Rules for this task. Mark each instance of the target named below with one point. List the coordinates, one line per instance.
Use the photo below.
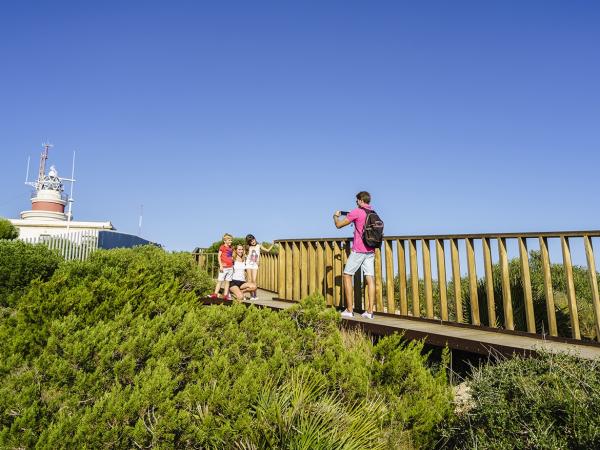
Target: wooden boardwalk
(481, 340)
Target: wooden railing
(207, 262)
(495, 291)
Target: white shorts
(358, 260)
(226, 274)
(253, 266)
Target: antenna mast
(27, 174)
(70, 214)
(44, 157)
(140, 222)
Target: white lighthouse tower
(48, 201)
(47, 216)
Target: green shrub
(145, 279)
(548, 402)
(122, 357)
(8, 230)
(20, 263)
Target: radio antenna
(140, 222)
(27, 174)
(70, 213)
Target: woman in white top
(253, 257)
(238, 285)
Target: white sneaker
(347, 313)
(367, 315)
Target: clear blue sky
(265, 117)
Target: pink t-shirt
(359, 217)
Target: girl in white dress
(238, 285)
(253, 258)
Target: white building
(47, 216)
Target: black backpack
(372, 235)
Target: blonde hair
(235, 253)
(227, 235)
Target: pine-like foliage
(20, 263)
(552, 401)
(117, 353)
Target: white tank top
(253, 254)
(239, 271)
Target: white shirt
(239, 271)
(253, 255)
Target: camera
(344, 213)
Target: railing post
(441, 266)
(296, 270)
(489, 283)
(289, 276)
(589, 253)
(402, 276)
(427, 277)
(572, 301)
(526, 279)
(303, 269)
(414, 278)
(378, 282)
(456, 279)
(337, 273)
(548, 287)
(506, 297)
(320, 267)
(282, 270)
(389, 275)
(474, 298)
(312, 267)
(329, 277)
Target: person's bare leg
(237, 292)
(248, 287)
(348, 292)
(225, 288)
(218, 287)
(371, 297)
(253, 277)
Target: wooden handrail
(407, 285)
(528, 234)
(447, 286)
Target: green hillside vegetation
(117, 352)
(552, 402)
(20, 263)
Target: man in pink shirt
(361, 255)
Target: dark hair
(364, 196)
(249, 238)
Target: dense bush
(114, 352)
(7, 229)
(20, 263)
(145, 279)
(548, 402)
